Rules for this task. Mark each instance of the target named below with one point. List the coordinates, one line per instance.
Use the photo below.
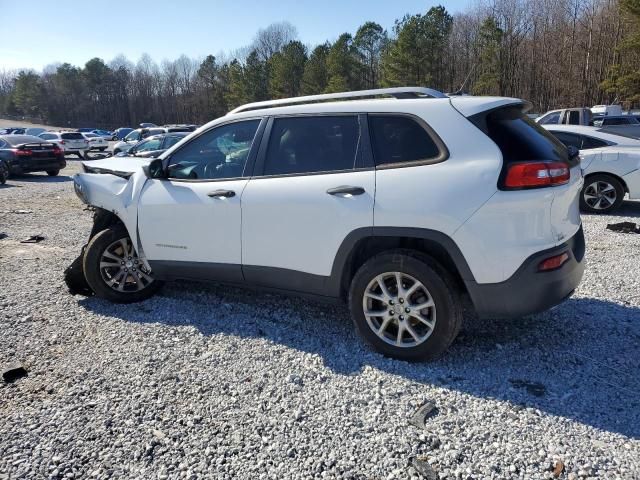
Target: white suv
(71, 142)
(398, 206)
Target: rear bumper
(529, 291)
(19, 167)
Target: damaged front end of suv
(110, 189)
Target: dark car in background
(120, 133)
(25, 153)
(152, 147)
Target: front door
(190, 222)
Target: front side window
(149, 145)
(299, 145)
(132, 137)
(171, 141)
(216, 154)
(399, 139)
(551, 118)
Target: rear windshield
(519, 138)
(72, 136)
(21, 139)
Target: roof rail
(397, 92)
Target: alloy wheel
(600, 195)
(399, 309)
(122, 270)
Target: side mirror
(155, 169)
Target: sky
(36, 33)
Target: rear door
(312, 187)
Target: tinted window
(72, 136)
(518, 137)
(569, 139)
(312, 144)
(590, 142)
(2, 143)
(574, 118)
(218, 153)
(48, 136)
(550, 118)
(398, 139)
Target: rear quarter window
(399, 139)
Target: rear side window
(518, 137)
(399, 139)
(312, 144)
(574, 118)
(590, 142)
(72, 136)
(569, 139)
(48, 136)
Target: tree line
(554, 53)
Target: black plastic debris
(3, 235)
(534, 388)
(624, 227)
(13, 372)
(423, 468)
(426, 410)
(33, 239)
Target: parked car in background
(381, 203)
(26, 153)
(134, 137)
(96, 142)
(152, 147)
(566, 116)
(106, 134)
(148, 125)
(610, 164)
(70, 142)
(615, 120)
(120, 133)
(12, 131)
(605, 110)
(34, 131)
(85, 129)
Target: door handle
(346, 190)
(221, 194)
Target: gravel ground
(211, 381)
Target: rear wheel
(404, 304)
(53, 173)
(601, 193)
(114, 271)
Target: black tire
(116, 151)
(81, 155)
(590, 188)
(102, 149)
(53, 173)
(91, 266)
(440, 286)
(4, 173)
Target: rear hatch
(74, 141)
(524, 143)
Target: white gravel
(210, 381)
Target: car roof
(595, 132)
(19, 139)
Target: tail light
(22, 153)
(523, 175)
(61, 142)
(57, 150)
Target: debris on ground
(33, 239)
(624, 227)
(3, 235)
(13, 372)
(421, 466)
(558, 468)
(21, 212)
(534, 388)
(426, 410)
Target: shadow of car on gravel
(556, 362)
(628, 208)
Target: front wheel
(53, 173)
(601, 193)
(4, 173)
(405, 305)
(114, 271)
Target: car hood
(121, 166)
